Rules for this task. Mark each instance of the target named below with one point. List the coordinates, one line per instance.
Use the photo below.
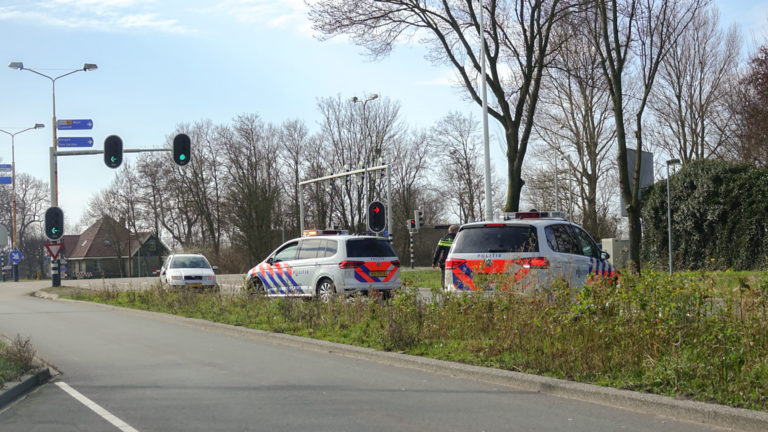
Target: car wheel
(254, 286)
(325, 289)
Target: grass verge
(16, 358)
(680, 336)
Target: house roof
(104, 239)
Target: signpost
(53, 249)
(79, 124)
(75, 141)
(15, 256)
(5, 173)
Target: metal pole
(13, 199)
(669, 213)
(389, 203)
(557, 186)
(486, 145)
(410, 234)
(669, 223)
(301, 211)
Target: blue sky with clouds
(161, 63)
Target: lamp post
(13, 190)
(365, 178)
(54, 164)
(669, 213)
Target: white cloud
(98, 15)
(284, 14)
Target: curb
(679, 409)
(26, 384)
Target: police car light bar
(534, 215)
(312, 233)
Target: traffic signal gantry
(113, 158)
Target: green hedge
(719, 217)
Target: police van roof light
(534, 215)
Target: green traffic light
(182, 156)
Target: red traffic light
(376, 217)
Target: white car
(324, 265)
(526, 251)
(188, 271)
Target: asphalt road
(136, 371)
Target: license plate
(194, 285)
(378, 273)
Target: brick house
(108, 249)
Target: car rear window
(369, 247)
(504, 238)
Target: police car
(324, 263)
(526, 251)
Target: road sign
(53, 249)
(5, 180)
(6, 167)
(74, 124)
(15, 256)
(75, 141)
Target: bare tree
(576, 124)
(517, 40)
(253, 188)
(356, 136)
(749, 102)
(635, 36)
(460, 170)
(295, 150)
(690, 103)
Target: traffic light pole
(366, 170)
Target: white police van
(525, 251)
(324, 263)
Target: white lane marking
(106, 415)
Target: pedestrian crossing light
(182, 148)
(113, 151)
(54, 223)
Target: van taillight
(537, 262)
(350, 264)
(454, 263)
(396, 263)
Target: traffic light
(377, 217)
(113, 151)
(412, 224)
(419, 216)
(182, 149)
(54, 223)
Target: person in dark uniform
(441, 251)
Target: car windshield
(369, 247)
(488, 239)
(189, 262)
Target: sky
(162, 63)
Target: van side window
(311, 248)
(287, 253)
(330, 248)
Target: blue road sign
(74, 124)
(75, 141)
(6, 167)
(5, 180)
(15, 256)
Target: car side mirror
(270, 260)
(215, 268)
(604, 255)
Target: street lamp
(13, 190)
(669, 213)
(54, 163)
